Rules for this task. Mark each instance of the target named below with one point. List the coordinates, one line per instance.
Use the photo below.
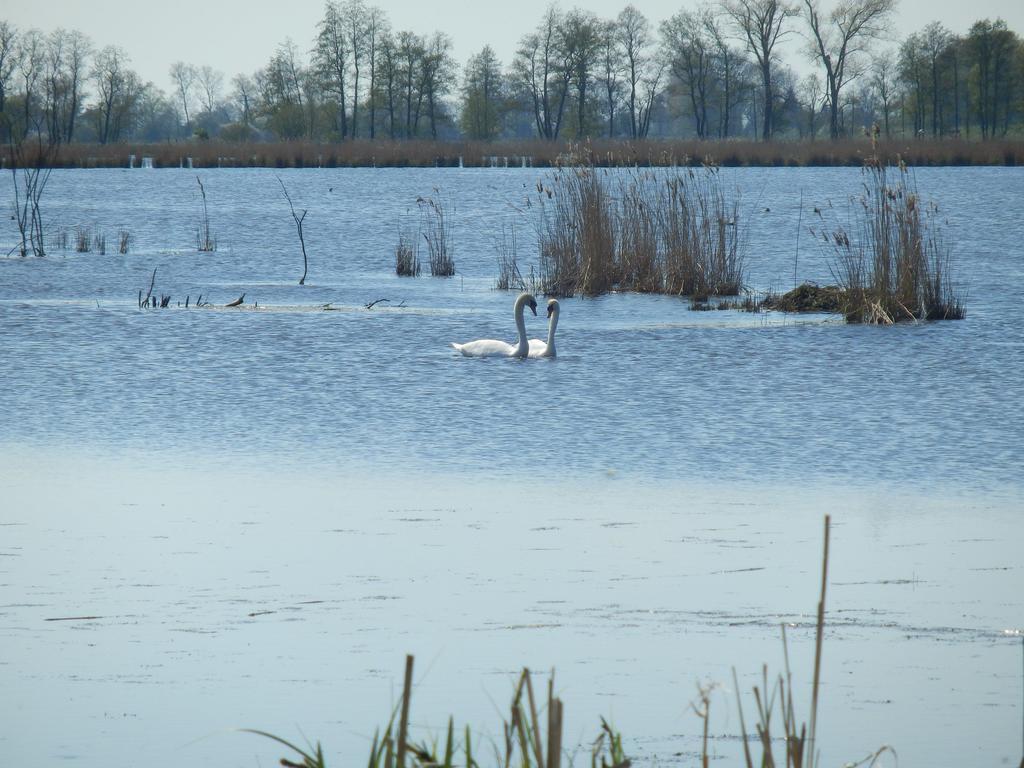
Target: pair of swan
(525, 348)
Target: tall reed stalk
(205, 240)
(800, 740)
(436, 227)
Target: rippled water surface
(215, 518)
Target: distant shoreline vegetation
(714, 73)
(363, 153)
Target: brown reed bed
(674, 232)
(534, 153)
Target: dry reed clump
(124, 241)
(59, 240)
(83, 239)
(899, 267)
(510, 278)
(436, 228)
(674, 232)
(407, 259)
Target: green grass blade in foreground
(308, 760)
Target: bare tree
(331, 57)
(77, 50)
(31, 64)
(690, 50)
(541, 68)
(912, 77)
(483, 95)
(376, 29)
(31, 162)
(610, 65)
(922, 60)
(111, 76)
(54, 81)
(8, 63)
(184, 76)
(211, 83)
(649, 91)
(124, 110)
(438, 71)
(811, 91)
(729, 65)
(883, 81)
(283, 92)
(991, 49)
(840, 39)
(581, 41)
(760, 24)
(388, 80)
(410, 51)
(356, 17)
(634, 33)
(298, 226)
(244, 93)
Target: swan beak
(533, 308)
(550, 312)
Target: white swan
(540, 348)
(495, 348)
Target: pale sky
(240, 35)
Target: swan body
(496, 348)
(540, 348)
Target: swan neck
(524, 344)
(552, 325)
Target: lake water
(265, 509)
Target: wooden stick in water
(403, 725)
(812, 745)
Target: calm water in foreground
(245, 518)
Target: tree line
(711, 71)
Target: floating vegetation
(808, 297)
